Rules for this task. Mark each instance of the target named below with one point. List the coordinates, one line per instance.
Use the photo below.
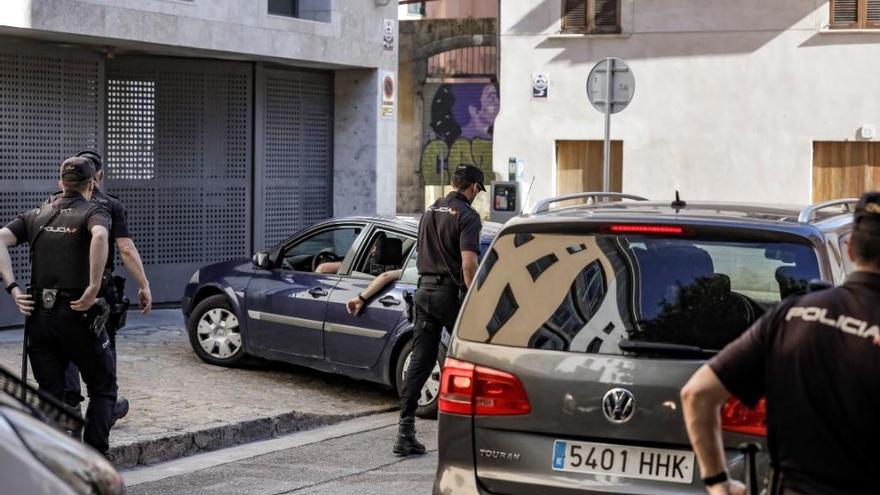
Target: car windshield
(602, 293)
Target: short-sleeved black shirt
(61, 251)
(817, 360)
(458, 228)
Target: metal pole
(606, 155)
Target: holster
(113, 290)
(98, 314)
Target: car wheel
(215, 332)
(430, 391)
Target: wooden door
(845, 169)
(579, 166)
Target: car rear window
(584, 293)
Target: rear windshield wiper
(642, 347)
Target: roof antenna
(678, 204)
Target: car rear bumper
(457, 471)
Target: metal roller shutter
(179, 156)
(49, 109)
(294, 155)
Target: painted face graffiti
(462, 118)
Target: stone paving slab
(181, 405)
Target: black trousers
(59, 336)
(436, 306)
(73, 396)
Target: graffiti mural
(459, 129)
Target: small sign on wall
(388, 96)
(388, 34)
(540, 86)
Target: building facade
(742, 101)
(226, 125)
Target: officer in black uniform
(68, 241)
(816, 359)
(112, 287)
(449, 246)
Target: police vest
(60, 240)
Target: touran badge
(618, 405)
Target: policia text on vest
(68, 240)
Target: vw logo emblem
(618, 405)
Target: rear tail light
(479, 391)
(736, 417)
(457, 387)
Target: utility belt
(437, 281)
(48, 299)
(113, 291)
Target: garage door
(178, 154)
(845, 169)
(49, 109)
(294, 173)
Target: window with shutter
(606, 16)
(872, 17)
(855, 14)
(574, 16)
(591, 16)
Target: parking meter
(507, 199)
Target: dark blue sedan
(279, 306)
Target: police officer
(448, 246)
(68, 241)
(816, 359)
(112, 288)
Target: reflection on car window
(410, 271)
(584, 293)
(576, 310)
(328, 246)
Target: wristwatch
(361, 297)
(714, 480)
(10, 287)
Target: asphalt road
(353, 457)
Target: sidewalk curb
(186, 443)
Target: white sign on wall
(540, 86)
(388, 34)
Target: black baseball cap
(96, 159)
(867, 215)
(76, 170)
(471, 174)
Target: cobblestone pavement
(172, 391)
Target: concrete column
(365, 147)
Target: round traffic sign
(622, 81)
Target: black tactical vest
(60, 239)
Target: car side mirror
(261, 260)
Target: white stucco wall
(729, 95)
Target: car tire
(430, 392)
(215, 332)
